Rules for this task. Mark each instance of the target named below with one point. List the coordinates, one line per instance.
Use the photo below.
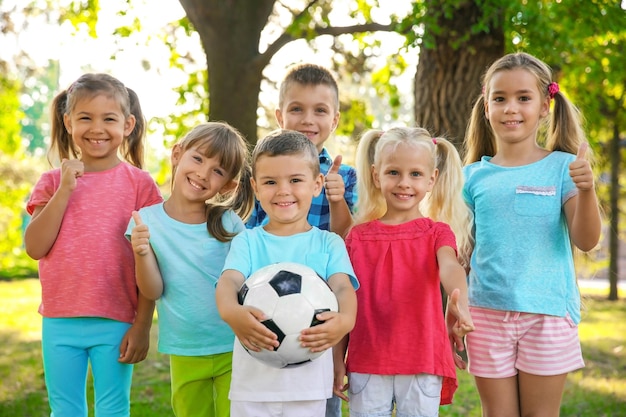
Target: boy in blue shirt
(309, 103)
(286, 177)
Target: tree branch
(263, 59)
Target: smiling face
(98, 127)
(285, 186)
(515, 106)
(197, 178)
(309, 109)
(404, 174)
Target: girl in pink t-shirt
(401, 351)
(92, 313)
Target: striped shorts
(504, 342)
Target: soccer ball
(290, 295)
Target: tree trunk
(449, 75)
(615, 157)
(233, 58)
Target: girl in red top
(399, 351)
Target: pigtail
(132, 149)
(243, 201)
(446, 203)
(61, 144)
(565, 132)
(479, 138)
(371, 203)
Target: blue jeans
(333, 406)
(69, 346)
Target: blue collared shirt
(319, 213)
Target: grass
(598, 390)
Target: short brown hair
(308, 74)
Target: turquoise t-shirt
(522, 260)
(253, 249)
(190, 261)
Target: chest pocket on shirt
(319, 262)
(536, 201)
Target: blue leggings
(69, 346)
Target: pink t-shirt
(89, 271)
(400, 327)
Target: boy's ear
(254, 188)
(279, 118)
(336, 121)
(319, 183)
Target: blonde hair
(224, 142)
(564, 129)
(444, 204)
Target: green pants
(200, 385)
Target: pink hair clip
(435, 141)
(553, 88)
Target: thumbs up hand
(580, 170)
(140, 236)
(333, 182)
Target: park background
(397, 62)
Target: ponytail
(446, 203)
(479, 138)
(61, 143)
(132, 149)
(565, 132)
(371, 203)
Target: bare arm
(43, 229)
(452, 276)
(458, 319)
(582, 211)
(136, 342)
(339, 362)
(244, 320)
(340, 216)
(147, 272)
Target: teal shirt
(522, 260)
(190, 261)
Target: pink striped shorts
(504, 342)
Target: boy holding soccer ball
(286, 178)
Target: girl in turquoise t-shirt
(531, 202)
(180, 247)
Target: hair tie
(435, 141)
(70, 89)
(553, 88)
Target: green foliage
(17, 175)
(82, 14)
(10, 114)
(354, 119)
